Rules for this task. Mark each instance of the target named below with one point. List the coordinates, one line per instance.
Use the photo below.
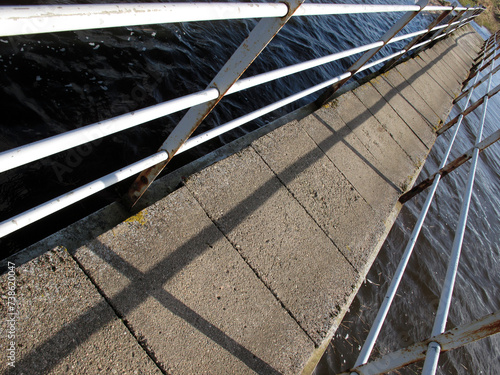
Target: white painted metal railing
(41, 19)
(435, 345)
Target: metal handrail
(25, 154)
(208, 97)
(15, 20)
(434, 345)
(434, 348)
(396, 279)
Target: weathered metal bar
(65, 200)
(432, 356)
(251, 47)
(463, 94)
(455, 338)
(476, 104)
(204, 137)
(495, 137)
(37, 150)
(396, 28)
(416, 40)
(16, 20)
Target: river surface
(51, 83)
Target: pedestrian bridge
(246, 260)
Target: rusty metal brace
(450, 167)
(246, 53)
(452, 339)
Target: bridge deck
(252, 263)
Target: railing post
(396, 28)
(246, 53)
(416, 40)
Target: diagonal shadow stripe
(341, 136)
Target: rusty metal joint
(290, 11)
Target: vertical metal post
(416, 40)
(396, 28)
(432, 357)
(246, 53)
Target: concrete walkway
(250, 266)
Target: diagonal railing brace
(246, 53)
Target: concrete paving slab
(437, 98)
(64, 326)
(443, 75)
(464, 43)
(322, 190)
(277, 238)
(448, 64)
(469, 42)
(396, 80)
(346, 151)
(393, 160)
(185, 290)
(407, 140)
(405, 110)
(446, 48)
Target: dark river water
(51, 83)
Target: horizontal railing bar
(52, 145)
(411, 35)
(380, 61)
(402, 52)
(189, 144)
(24, 20)
(199, 139)
(16, 20)
(37, 150)
(449, 340)
(421, 32)
(282, 72)
(451, 166)
(65, 200)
